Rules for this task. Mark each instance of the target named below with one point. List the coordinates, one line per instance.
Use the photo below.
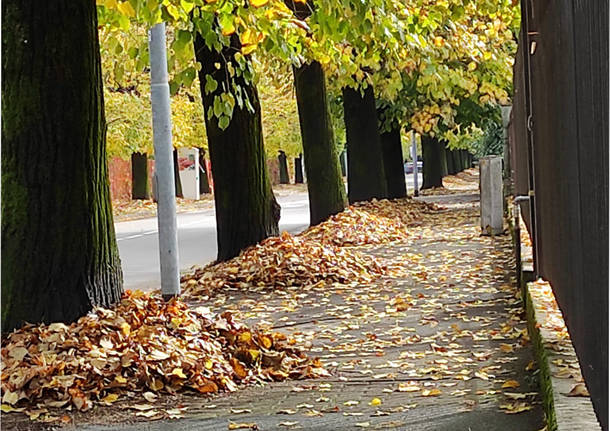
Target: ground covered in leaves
(419, 323)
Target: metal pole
(164, 169)
(414, 156)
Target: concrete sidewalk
(429, 351)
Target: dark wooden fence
(559, 150)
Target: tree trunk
(179, 193)
(343, 162)
(365, 172)
(59, 253)
(451, 168)
(392, 163)
(456, 157)
(283, 162)
(298, 170)
(139, 176)
(435, 163)
(324, 182)
(246, 209)
(204, 184)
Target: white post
(164, 169)
(414, 156)
(490, 174)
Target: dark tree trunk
(366, 175)
(392, 163)
(435, 163)
(324, 181)
(298, 170)
(246, 209)
(451, 168)
(283, 162)
(343, 162)
(204, 184)
(456, 157)
(177, 175)
(59, 253)
(139, 176)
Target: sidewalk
(444, 347)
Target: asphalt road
(139, 243)
(139, 246)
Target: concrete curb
(559, 371)
(555, 355)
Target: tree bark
(283, 162)
(324, 182)
(246, 209)
(204, 184)
(298, 170)
(343, 162)
(435, 162)
(59, 253)
(140, 188)
(365, 171)
(392, 163)
(451, 168)
(178, 183)
(456, 157)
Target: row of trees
(431, 66)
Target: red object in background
(119, 173)
(208, 171)
(185, 163)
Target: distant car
(409, 167)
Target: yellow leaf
(472, 66)
(228, 30)
(239, 426)
(125, 328)
(431, 393)
(506, 348)
(511, 384)
(258, 3)
(248, 49)
(7, 409)
(178, 372)
(375, 402)
(110, 398)
(126, 9)
(402, 387)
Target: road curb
(557, 361)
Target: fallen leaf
(511, 384)
(243, 425)
(579, 390)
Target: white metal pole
(414, 156)
(164, 169)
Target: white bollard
(490, 174)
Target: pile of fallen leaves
(142, 346)
(374, 222)
(282, 261)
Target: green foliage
(491, 141)
(426, 59)
(281, 128)
(129, 120)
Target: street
(139, 246)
